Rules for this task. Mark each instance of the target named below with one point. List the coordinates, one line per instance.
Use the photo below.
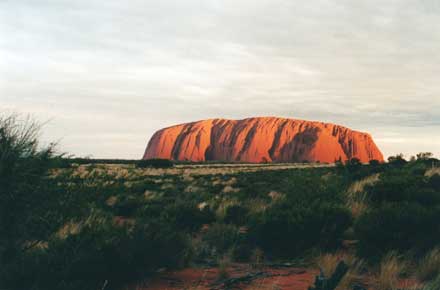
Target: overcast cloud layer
(109, 73)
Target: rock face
(267, 139)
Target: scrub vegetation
(70, 224)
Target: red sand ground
(205, 279)
(285, 278)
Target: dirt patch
(241, 276)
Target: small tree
(23, 168)
(354, 162)
(424, 155)
(397, 160)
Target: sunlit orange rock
(266, 139)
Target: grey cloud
(118, 70)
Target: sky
(105, 75)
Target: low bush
(397, 226)
(236, 214)
(400, 186)
(403, 209)
(434, 182)
(99, 253)
(242, 251)
(397, 161)
(288, 229)
(187, 216)
(222, 237)
(126, 205)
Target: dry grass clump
(202, 205)
(216, 181)
(166, 186)
(432, 171)
(112, 200)
(75, 227)
(274, 195)
(81, 172)
(122, 173)
(120, 221)
(230, 189)
(390, 270)
(358, 206)
(228, 184)
(231, 181)
(429, 267)
(151, 194)
(38, 245)
(129, 184)
(257, 258)
(192, 189)
(357, 200)
(353, 276)
(257, 205)
(220, 213)
(328, 263)
(360, 185)
(68, 229)
(223, 264)
(187, 178)
(263, 286)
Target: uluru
(262, 139)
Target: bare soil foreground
(244, 277)
(240, 276)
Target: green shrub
(99, 252)
(374, 162)
(401, 186)
(397, 161)
(236, 214)
(187, 216)
(434, 182)
(126, 205)
(242, 251)
(222, 237)
(24, 190)
(353, 163)
(288, 229)
(397, 226)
